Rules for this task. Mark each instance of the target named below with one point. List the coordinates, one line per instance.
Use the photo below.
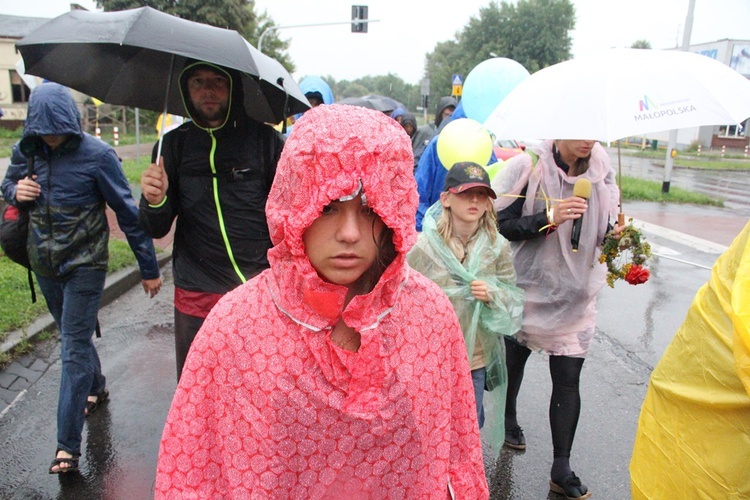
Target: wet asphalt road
(121, 439)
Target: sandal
(514, 438)
(571, 487)
(72, 464)
(91, 406)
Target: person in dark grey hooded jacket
(75, 175)
(444, 110)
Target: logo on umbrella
(659, 111)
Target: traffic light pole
(276, 28)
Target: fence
(106, 117)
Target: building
(735, 54)
(14, 89)
(14, 92)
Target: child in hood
(339, 372)
(460, 250)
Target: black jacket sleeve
(515, 227)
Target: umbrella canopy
(358, 101)
(620, 93)
(134, 57)
(383, 103)
(373, 101)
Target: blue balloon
(488, 84)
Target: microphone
(582, 189)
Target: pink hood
(314, 170)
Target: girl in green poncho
(461, 250)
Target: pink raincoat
(268, 407)
(559, 316)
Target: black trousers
(565, 403)
(185, 329)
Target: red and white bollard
(723, 150)
(98, 133)
(117, 136)
(746, 147)
(699, 149)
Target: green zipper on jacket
(222, 226)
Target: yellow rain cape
(693, 438)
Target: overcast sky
(408, 29)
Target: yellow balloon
(462, 140)
(494, 168)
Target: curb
(115, 285)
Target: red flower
(637, 275)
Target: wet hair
(386, 254)
(488, 223)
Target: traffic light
(359, 12)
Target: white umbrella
(619, 93)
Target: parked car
(507, 148)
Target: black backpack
(14, 233)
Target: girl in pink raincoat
(339, 372)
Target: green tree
(641, 44)
(273, 46)
(238, 15)
(351, 89)
(545, 37)
(442, 63)
(388, 85)
(536, 33)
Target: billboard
(740, 61)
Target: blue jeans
(478, 377)
(74, 303)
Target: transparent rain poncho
(482, 322)
(561, 286)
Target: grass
(16, 308)
(9, 137)
(133, 168)
(634, 189)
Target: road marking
(685, 239)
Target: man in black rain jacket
(214, 177)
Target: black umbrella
(134, 57)
(374, 101)
(383, 103)
(358, 101)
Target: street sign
(425, 87)
(458, 85)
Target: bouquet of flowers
(625, 256)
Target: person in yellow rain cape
(693, 438)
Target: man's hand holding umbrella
(154, 183)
